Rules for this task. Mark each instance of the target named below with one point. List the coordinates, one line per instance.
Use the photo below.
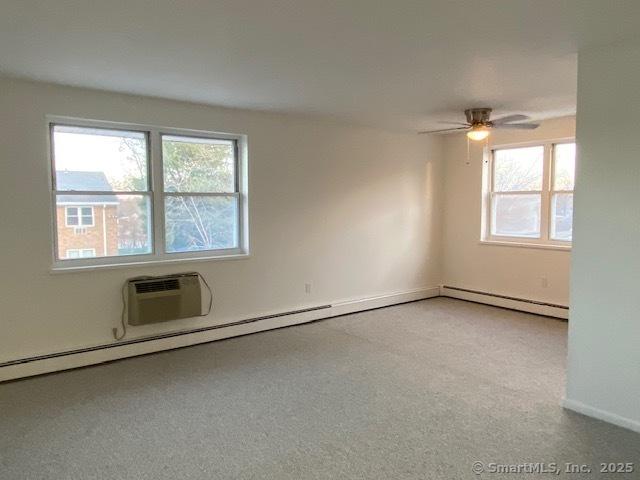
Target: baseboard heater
(158, 337)
(506, 297)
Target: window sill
(144, 263)
(539, 246)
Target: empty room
(337, 239)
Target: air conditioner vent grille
(158, 286)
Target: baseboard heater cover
(506, 297)
(158, 337)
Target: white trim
(530, 241)
(54, 364)
(73, 204)
(368, 303)
(128, 126)
(599, 414)
(520, 244)
(514, 304)
(545, 199)
(532, 143)
(136, 261)
(112, 193)
(104, 232)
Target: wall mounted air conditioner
(158, 299)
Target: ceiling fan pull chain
(468, 151)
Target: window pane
(94, 159)
(516, 215)
(562, 216)
(86, 221)
(518, 169)
(72, 216)
(564, 166)
(198, 165)
(195, 223)
(120, 225)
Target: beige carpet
(417, 391)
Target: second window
(530, 197)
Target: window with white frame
(152, 194)
(530, 194)
(200, 194)
(79, 217)
(562, 179)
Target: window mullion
(488, 230)
(545, 207)
(155, 163)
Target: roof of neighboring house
(83, 182)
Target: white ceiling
(395, 63)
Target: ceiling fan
(478, 124)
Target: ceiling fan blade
(509, 119)
(446, 130)
(518, 126)
(455, 123)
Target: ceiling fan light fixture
(478, 125)
(478, 133)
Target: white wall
(504, 270)
(604, 325)
(353, 210)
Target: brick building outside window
(87, 225)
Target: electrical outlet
(307, 288)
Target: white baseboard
(599, 414)
(499, 301)
(115, 352)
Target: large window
(530, 194)
(127, 194)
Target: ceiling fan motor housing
(478, 116)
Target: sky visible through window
(100, 150)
